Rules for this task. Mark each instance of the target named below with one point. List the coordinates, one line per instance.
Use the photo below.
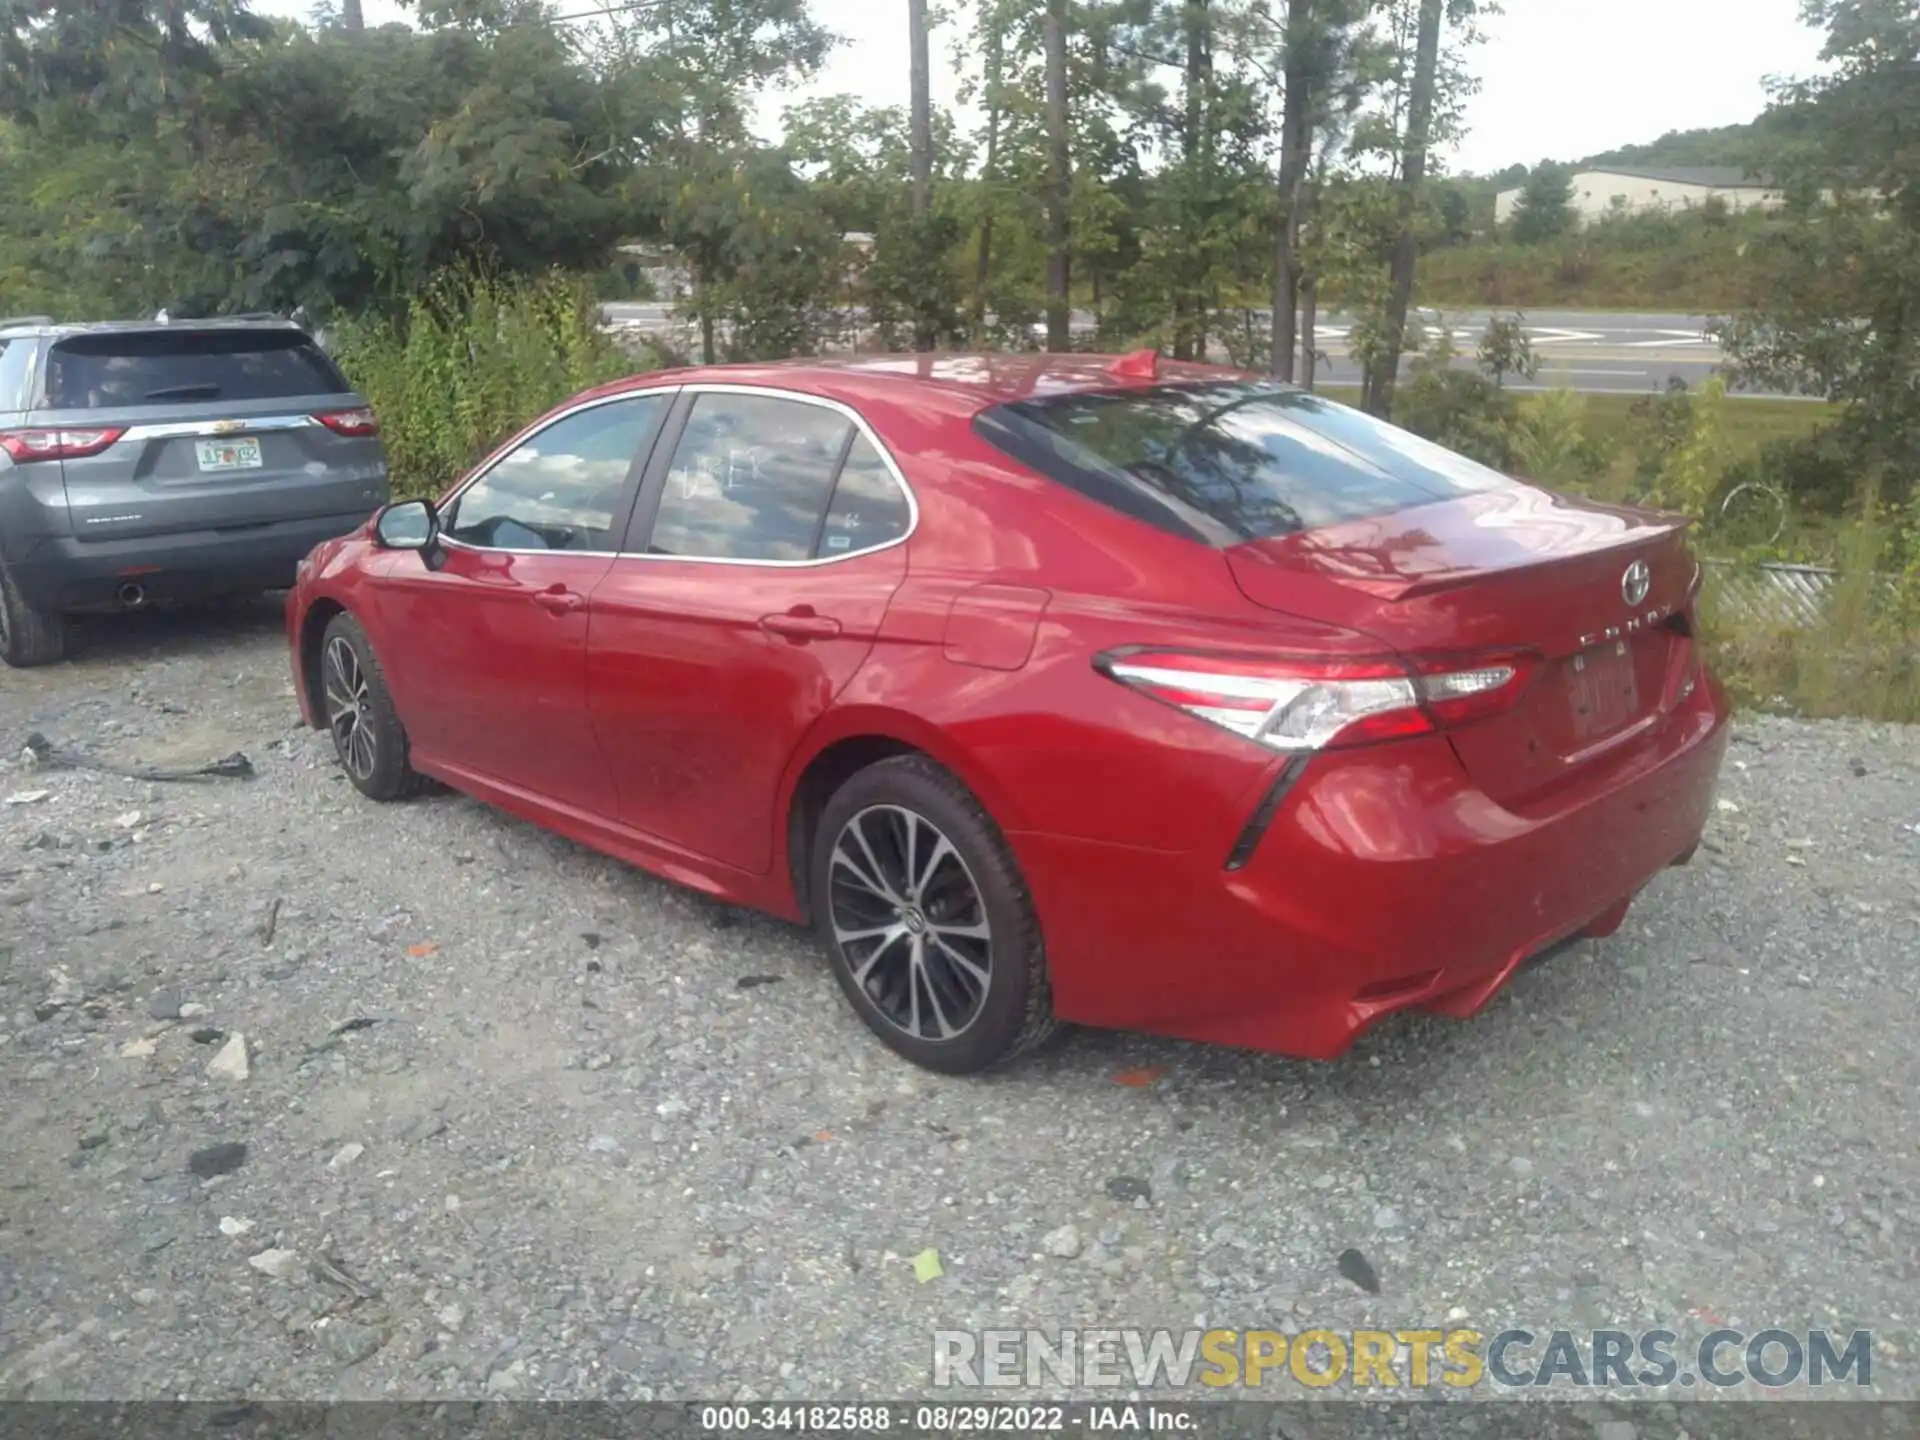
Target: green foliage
(1685, 261)
(1544, 210)
(1555, 445)
(1689, 472)
(1505, 350)
(1840, 280)
(470, 360)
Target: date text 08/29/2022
(945, 1419)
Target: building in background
(1631, 190)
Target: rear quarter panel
(1049, 744)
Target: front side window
(757, 477)
(559, 489)
(1231, 461)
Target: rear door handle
(796, 626)
(560, 601)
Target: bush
(471, 360)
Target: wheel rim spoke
(347, 696)
(895, 877)
(866, 966)
(871, 884)
(977, 973)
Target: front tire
(927, 919)
(368, 737)
(28, 635)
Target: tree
(922, 106)
(1840, 281)
(1544, 210)
(1059, 182)
(1378, 391)
(124, 60)
(1323, 43)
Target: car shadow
(133, 637)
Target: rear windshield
(100, 372)
(1225, 462)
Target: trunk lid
(1510, 569)
(219, 431)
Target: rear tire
(368, 738)
(927, 918)
(28, 636)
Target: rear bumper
(1386, 881)
(73, 575)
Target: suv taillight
(1300, 704)
(350, 422)
(26, 446)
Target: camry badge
(1635, 584)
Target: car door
(489, 633)
(772, 527)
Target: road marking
(1622, 374)
(1563, 337)
(1670, 337)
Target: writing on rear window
(147, 368)
(1230, 461)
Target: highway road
(1586, 351)
(1597, 353)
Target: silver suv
(154, 461)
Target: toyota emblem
(1635, 584)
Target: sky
(1560, 79)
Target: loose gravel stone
(662, 1207)
(1062, 1244)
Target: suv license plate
(228, 454)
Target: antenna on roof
(1140, 365)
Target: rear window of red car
(1226, 462)
(186, 367)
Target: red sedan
(1136, 695)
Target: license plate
(228, 454)
(1604, 689)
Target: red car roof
(963, 385)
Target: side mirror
(407, 525)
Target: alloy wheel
(910, 922)
(349, 709)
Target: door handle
(560, 601)
(801, 625)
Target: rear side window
(15, 356)
(761, 478)
(1232, 461)
(185, 367)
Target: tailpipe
(133, 596)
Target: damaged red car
(1045, 688)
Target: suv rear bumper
(65, 574)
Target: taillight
(1305, 703)
(351, 422)
(26, 446)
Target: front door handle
(801, 624)
(558, 600)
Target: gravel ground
(520, 1122)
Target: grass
(1864, 658)
(1656, 263)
